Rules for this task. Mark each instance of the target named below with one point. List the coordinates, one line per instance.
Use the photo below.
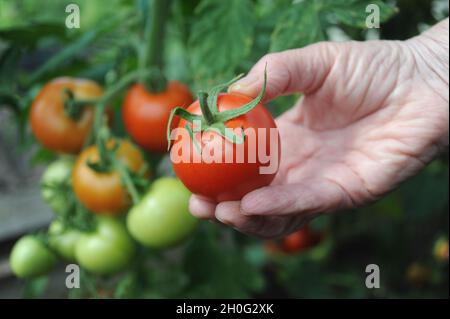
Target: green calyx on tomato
(106, 250)
(30, 257)
(73, 107)
(63, 240)
(162, 219)
(55, 183)
(211, 118)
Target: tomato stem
(105, 155)
(212, 118)
(73, 107)
(152, 55)
(107, 96)
(123, 83)
(205, 107)
(127, 181)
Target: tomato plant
(220, 115)
(162, 218)
(55, 182)
(31, 258)
(63, 240)
(146, 114)
(143, 73)
(107, 249)
(103, 191)
(57, 121)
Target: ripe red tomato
(52, 127)
(146, 114)
(300, 240)
(224, 181)
(104, 192)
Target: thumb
(298, 70)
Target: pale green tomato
(53, 182)
(106, 250)
(162, 219)
(31, 258)
(63, 240)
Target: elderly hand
(372, 114)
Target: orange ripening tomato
(52, 127)
(103, 193)
(146, 114)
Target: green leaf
(353, 13)
(221, 37)
(390, 206)
(297, 27)
(431, 184)
(30, 34)
(227, 274)
(9, 59)
(35, 288)
(127, 287)
(65, 55)
(42, 156)
(79, 45)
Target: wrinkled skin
(373, 114)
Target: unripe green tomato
(31, 258)
(54, 179)
(63, 240)
(106, 250)
(162, 219)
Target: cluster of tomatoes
(158, 220)
(102, 174)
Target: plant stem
(127, 181)
(122, 84)
(109, 94)
(152, 57)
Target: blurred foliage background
(406, 233)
